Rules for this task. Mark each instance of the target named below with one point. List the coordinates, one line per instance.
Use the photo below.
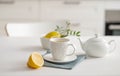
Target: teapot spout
(81, 43)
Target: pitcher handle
(114, 45)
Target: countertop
(14, 53)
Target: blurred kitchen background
(88, 16)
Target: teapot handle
(112, 42)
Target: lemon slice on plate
(53, 34)
(35, 60)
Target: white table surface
(14, 53)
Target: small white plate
(48, 57)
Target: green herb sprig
(66, 31)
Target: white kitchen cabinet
(88, 15)
(19, 10)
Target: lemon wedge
(53, 34)
(35, 60)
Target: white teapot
(97, 47)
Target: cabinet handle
(72, 2)
(6, 1)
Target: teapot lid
(96, 39)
